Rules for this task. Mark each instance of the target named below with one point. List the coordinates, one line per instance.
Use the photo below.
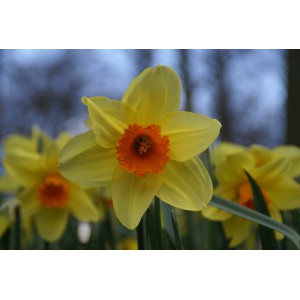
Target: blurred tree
(1, 94)
(293, 98)
(143, 59)
(188, 86)
(44, 93)
(219, 61)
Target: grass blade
(150, 230)
(141, 235)
(256, 217)
(158, 223)
(267, 235)
(178, 243)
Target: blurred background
(253, 93)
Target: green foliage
(256, 217)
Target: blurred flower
(271, 173)
(8, 203)
(127, 244)
(293, 153)
(145, 147)
(45, 195)
(7, 210)
(7, 185)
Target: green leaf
(16, 234)
(256, 217)
(150, 230)
(141, 235)
(267, 236)
(40, 145)
(212, 235)
(206, 160)
(178, 243)
(295, 214)
(168, 242)
(158, 223)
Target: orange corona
(245, 196)
(143, 150)
(54, 191)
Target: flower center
(246, 197)
(142, 144)
(143, 150)
(54, 191)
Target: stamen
(142, 144)
(54, 191)
(143, 150)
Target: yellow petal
(186, 185)
(62, 139)
(262, 155)
(7, 185)
(24, 168)
(18, 143)
(39, 136)
(30, 204)
(132, 195)
(51, 223)
(232, 170)
(82, 207)
(293, 153)
(189, 134)
(153, 94)
(285, 193)
(271, 172)
(215, 214)
(222, 150)
(109, 119)
(226, 191)
(237, 230)
(83, 161)
(276, 215)
(50, 157)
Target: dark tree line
(47, 90)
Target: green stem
(110, 232)
(158, 223)
(256, 217)
(141, 235)
(18, 243)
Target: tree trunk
(293, 98)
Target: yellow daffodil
(293, 153)
(271, 173)
(45, 194)
(145, 147)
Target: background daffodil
(272, 173)
(293, 153)
(145, 147)
(44, 194)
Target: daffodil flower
(145, 147)
(272, 174)
(293, 153)
(45, 195)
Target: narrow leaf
(150, 230)
(267, 236)
(141, 235)
(167, 241)
(178, 243)
(158, 223)
(256, 217)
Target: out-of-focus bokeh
(246, 90)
